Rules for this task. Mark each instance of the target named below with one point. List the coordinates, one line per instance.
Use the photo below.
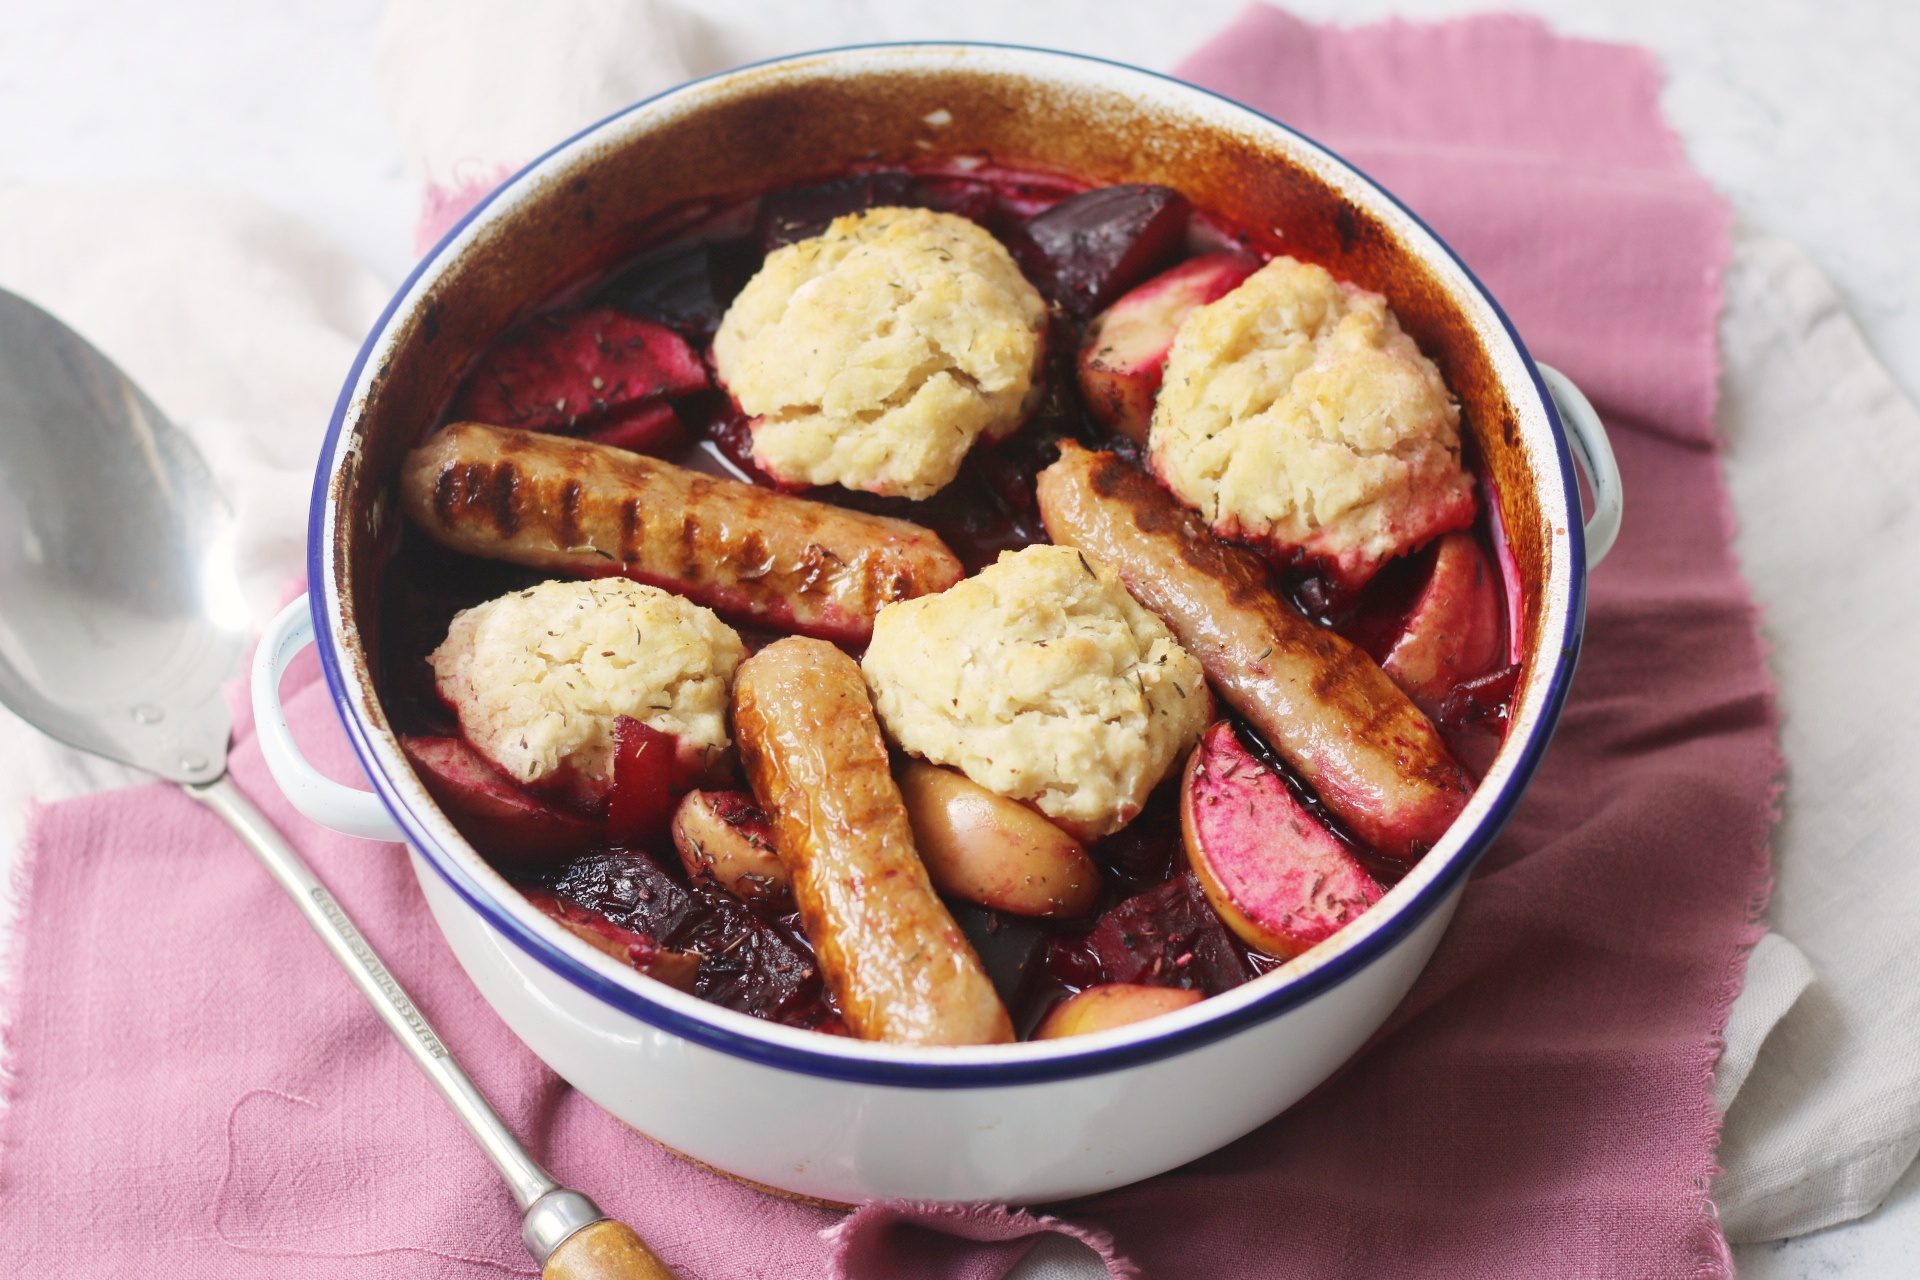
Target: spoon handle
(563, 1229)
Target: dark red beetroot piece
(1145, 852)
(675, 968)
(573, 370)
(687, 287)
(1089, 249)
(1275, 875)
(501, 819)
(757, 966)
(798, 213)
(1166, 937)
(640, 801)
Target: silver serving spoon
(119, 622)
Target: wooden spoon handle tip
(604, 1250)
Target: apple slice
(650, 427)
(1274, 874)
(1126, 346)
(568, 371)
(1454, 631)
(985, 848)
(723, 837)
(1116, 1004)
(678, 969)
(497, 816)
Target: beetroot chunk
(748, 963)
(498, 817)
(799, 213)
(1168, 937)
(1089, 249)
(640, 802)
(569, 371)
(688, 286)
(675, 968)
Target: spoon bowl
(120, 616)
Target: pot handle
(1591, 450)
(331, 804)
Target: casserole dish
(842, 1120)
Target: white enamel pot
(828, 1117)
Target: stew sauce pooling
(623, 361)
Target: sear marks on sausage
(588, 510)
(890, 950)
(1322, 702)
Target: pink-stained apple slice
(651, 427)
(987, 849)
(1116, 1004)
(1454, 631)
(1272, 872)
(496, 815)
(1125, 348)
(570, 371)
(723, 837)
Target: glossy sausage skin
(1323, 704)
(888, 947)
(591, 511)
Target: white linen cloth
(1823, 462)
(241, 323)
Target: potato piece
(723, 837)
(988, 849)
(1115, 1004)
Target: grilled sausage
(590, 511)
(889, 949)
(1323, 704)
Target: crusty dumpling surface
(1041, 679)
(538, 676)
(1295, 412)
(874, 354)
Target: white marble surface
(1807, 115)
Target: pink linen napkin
(196, 1090)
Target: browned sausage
(590, 511)
(889, 949)
(1323, 704)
